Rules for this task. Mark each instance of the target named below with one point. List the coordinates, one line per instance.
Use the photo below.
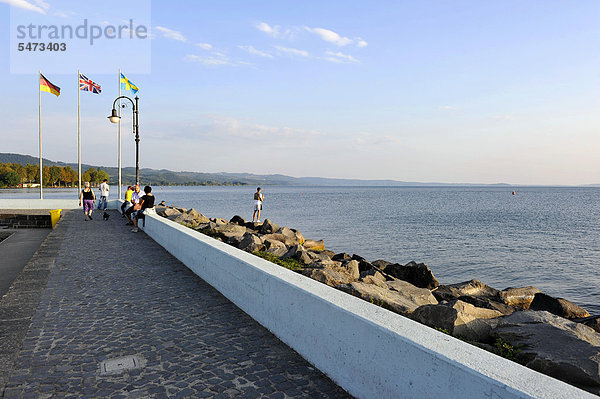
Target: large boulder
(396, 301)
(518, 297)
(299, 253)
(487, 303)
(162, 210)
(467, 288)
(251, 243)
(458, 318)
(352, 269)
(237, 219)
(363, 264)
(558, 306)
(373, 277)
(197, 216)
(275, 247)
(554, 346)
(328, 276)
(218, 221)
(417, 274)
(292, 236)
(268, 227)
(184, 219)
(227, 231)
(380, 263)
(420, 296)
(314, 245)
(287, 240)
(341, 257)
(592, 322)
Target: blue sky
(430, 91)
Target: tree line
(15, 175)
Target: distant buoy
(514, 192)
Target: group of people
(133, 208)
(135, 203)
(87, 198)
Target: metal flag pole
(40, 128)
(79, 130)
(120, 184)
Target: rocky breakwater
(550, 335)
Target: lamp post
(115, 118)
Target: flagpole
(78, 130)
(120, 135)
(40, 128)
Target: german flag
(45, 85)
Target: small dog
(105, 216)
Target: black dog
(105, 216)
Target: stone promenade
(107, 294)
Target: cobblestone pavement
(113, 293)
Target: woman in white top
(258, 200)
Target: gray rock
(558, 306)
(287, 240)
(352, 269)
(488, 303)
(251, 243)
(592, 322)
(467, 288)
(417, 274)
(238, 220)
(380, 263)
(218, 221)
(420, 296)
(373, 277)
(180, 210)
(518, 297)
(554, 346)
(268, 227)
(275, 247)
(299, 253)
(184, 219)
(363, 264)
(341, 257)
(396, 301)
(332, 278)
(161, 210)
(459, 318)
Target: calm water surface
(547, 237)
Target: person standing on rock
(258, 200)
(104, 189)
(87, 197)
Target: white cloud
(448, 107)
(292, 51)
(269, 30)
(204, 46)
(366, 139)
(252, 50)
(330, 36)
(340, 57)
(210, 60)
(27, 5)
(361, 43)
(171, 34)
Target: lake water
(548, 237)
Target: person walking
(104, 189)
(87, 197)
(258, 200)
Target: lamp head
(114, 117)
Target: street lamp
(114, 118)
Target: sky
(421, 91)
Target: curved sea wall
(366, 348)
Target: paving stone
(111, 293)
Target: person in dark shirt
(147, 202)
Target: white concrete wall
(367, 350)
(47, 204)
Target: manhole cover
(121, 364)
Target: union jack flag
(86, 84)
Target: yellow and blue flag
(127, 84)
